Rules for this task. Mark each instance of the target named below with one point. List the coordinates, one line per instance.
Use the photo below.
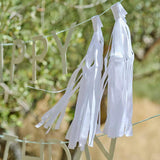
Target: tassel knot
(97, 24)
(118, 11)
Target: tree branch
(151, 48)
(148, 50)
(147, 74)
(90, 5)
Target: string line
(83, 22)
(146, 119)
(65, 142)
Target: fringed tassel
(58, 110)
(87, 115)
(86, 119)
(120, 75)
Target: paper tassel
(85, 122)
(87, 118)
(120, 75)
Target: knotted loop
(118, 11)
(96, 21)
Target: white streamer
(86, 120)
(120, 75)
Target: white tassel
(86, 121)
(120, 75)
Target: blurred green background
(25, 19)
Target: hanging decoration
(120, 75)
(87, 118)
(86, 122)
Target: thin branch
(152, 47)
(147, 74)
(89, 5)
(148, 50)
(137, 57)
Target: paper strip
(63, 48)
